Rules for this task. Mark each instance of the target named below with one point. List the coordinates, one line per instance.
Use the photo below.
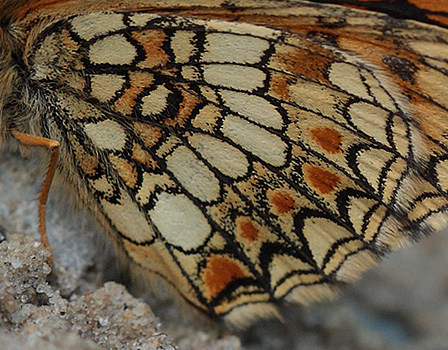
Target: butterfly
(243, 152)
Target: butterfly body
(244, 153)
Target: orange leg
(53, 146)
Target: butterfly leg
(53, 146)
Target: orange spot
(87, 162)
(127, 171)
(139, 81)
(187, 106)
(328, 139)
(320, 179)
(220, 271)
(70, 44)
(143, 157)
(152, 41)
(279, 86)
(248, 229)
(302, 62)
(149, 134)
(283, 202)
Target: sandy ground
(402, 304)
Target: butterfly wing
(244, 163)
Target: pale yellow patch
(220, 47)
(234, 76)
(207, 118)
(285, 285)
(102, 185)
(437, 64)
(436, 221)
(364, 22)
(244, 28)
(155, 102)
(182, 45)
(106, 134)
(370, 119)
(263, 144)
(357, 209)
(381, 96)
(180, 221)
(442, 174)
(193, 174)
(321, 234)
(282, 265)
(355, 265)
(94, 24)
(167, 146)
(246, 314)
(399, 135)
(435, 85)
(425, 206)
(150, 183)
(438, 50)
(395, 171)
(251, 304)
(370, 162)
(348, 78)
(375, 223)
(253, 107)
(227, 159)
(391, 234)
(191, 73)
(105, 86)
(128, 219)
(114, 49)
(140, 19)
(209, 94)
(339, 255)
